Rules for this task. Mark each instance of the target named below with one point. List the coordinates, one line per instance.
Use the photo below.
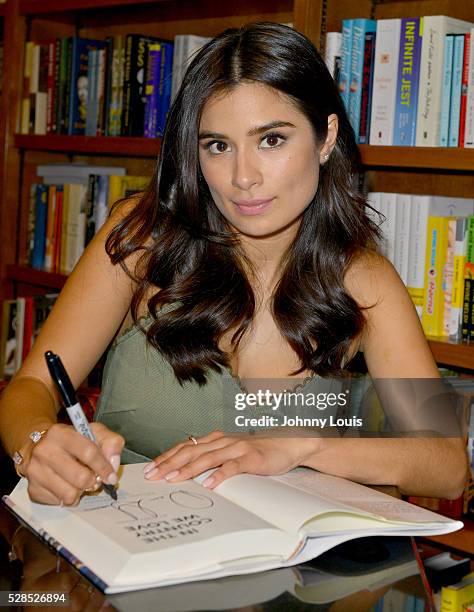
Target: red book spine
(464, 84)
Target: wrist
(310, 447)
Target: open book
(158, 533)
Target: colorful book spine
(446, 94)
(367, 83)
(448, 272)
(346, 55)
(166, 67)
(387, 47)
(332, 50)
(469, 129)
(41, 213)
(435, 259)
(464, 88)
(455, 326)
(359, 29)
(455, 108)
(406, 99)
(152, 91)
(402, 234)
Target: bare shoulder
(393, 341)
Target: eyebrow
(253, 132)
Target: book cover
(446, 93)
(387, 46)
(41, 213)
(360, 27)
(367, 84)
(406, 98)
(456, 82)
(116, 87)
(469, 129)
(159, 533)
(166, 66)
(428, 115)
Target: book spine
(455, 326)
(455, 108)
(102, 128)
(359, 29)
(56, 103)
(469, 130)
(91, 86)
(101, 94)
(464, 86)
(126, 109)
(27, 328)
(346, 55)
(51, 220)
(387, 45)
(332, 50)
(367, 80)
(152, 90)
(164, 87)
(419, 213)
(446, 94)
(436, 249)
(50, 87)
(58, 228)
(467, 304)
(27, 72)
(407, 83)
(31, 224)
(41, 209)
(389, 209)
(64, 92)
(448, 272)
(19, 331)
(402, 233)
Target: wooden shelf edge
(32, 7)
(430, 158)
(462, 540)
(108, 145)
(32, 276)
(456, 354)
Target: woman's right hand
(63, 464)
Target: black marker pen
(68, 395)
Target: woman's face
(260, 159)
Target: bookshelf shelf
(433, 158)
(106, 145)
(34, 7)
(462, 540)
(32, 276)
(460, 355)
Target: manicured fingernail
(208, 481)
(148, 467)
(151, 473)
(115, 462)
(112, 479)
(172, 474)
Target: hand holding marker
(68, 395)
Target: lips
(253, 207)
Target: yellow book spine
(124, 186)
(435, 260)
(458, 597)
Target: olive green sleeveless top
(142, 400)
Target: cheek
(299, 175)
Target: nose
(246, 170)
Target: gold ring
(193, 440)
(96, 486)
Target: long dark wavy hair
(190, 252)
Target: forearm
(26, 405)
(434, 467)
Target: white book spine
(420, 207)
(402, 234)
(387, 44)
(469, 129)
(332, 50)
(428, 119)
(389, 208)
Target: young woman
(250, 256)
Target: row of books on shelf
(406, 81)
(430, 241)
(120, 86)
(69, 207)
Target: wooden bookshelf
(103, 145)
(39, 7)
(2, 10)
(33, 276)
(430, 158)
(462, 540)
(455, 354)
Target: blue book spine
(346, 54)
(165, 86)
(91, 91)
(41, 212)
(79, 83)
(152, 91)
(446, 93)
(456, 82)
(406, 100)
(360, 28)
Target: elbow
(456, 471)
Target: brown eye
(271, 141)
(216, 147)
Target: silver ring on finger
(193, 440)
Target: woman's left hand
(232, 454)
